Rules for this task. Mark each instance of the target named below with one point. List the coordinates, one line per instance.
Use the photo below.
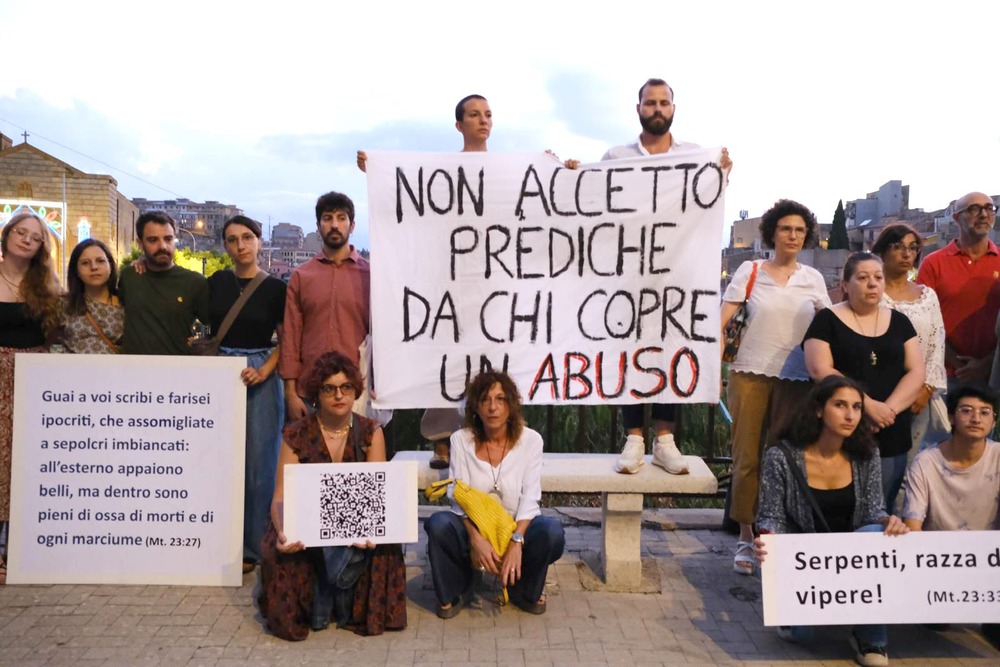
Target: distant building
(75, 205)
(200, 219)
(287, 235)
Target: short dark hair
(781, 209)
(806, 426)
(76, 302)
(476, 391)
(855, 258)
(249, 223)
(334, 201)
(158, 217)
(655, 82)
(326, 365)
(979, 390)
(460, 107)
(894, 233)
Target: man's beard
(157, 258)
(657, 124)
(335, 242)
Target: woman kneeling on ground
(496, 454)
(362, 587)
(831, 443)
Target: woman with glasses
(29, 316)
(258, 323)
(93, 319)
(768, 376)
(361, 587)
(899, 248)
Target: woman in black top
(29, 313)
(251, 336)
(878, 348)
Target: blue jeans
(265, 418)
(448, 551)
(337, 572)
(893, 470)
(876, 635)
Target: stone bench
(621, 499)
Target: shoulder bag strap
(100, 332)
(803, 485)
(227, 322)
(753, 279)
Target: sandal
(451, 611)
(3, 572)
(524, 604)
(744, 561)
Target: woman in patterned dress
(362, 587)
(29, 314)
(93, 319)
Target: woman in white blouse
(768, 378)
(497, 454)
(899, 246)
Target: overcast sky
(263, 105)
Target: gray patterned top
(79, 335)
(784, 509)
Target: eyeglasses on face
(899, 246)
(967, 411)
(346, 389)
(792, 231)
(975, 209)
(25, 234)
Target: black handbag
(732, 335)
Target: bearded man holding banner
(656, 114)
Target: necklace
(14, 287)
(496, 478)
(336, 433)
(872, 357)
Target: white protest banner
(861, 578)
(335, 504)
(127, 470)
(594, 285)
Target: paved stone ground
(705, 615)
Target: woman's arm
(912, 382)
(285, 457)
(376, 450)
(772, 516)
(529, 502)
(252, 376)
(819, 359)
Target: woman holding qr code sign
(496, 454)
(362, 587)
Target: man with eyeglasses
(954, 485)
(965, 274)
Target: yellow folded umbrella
(492, 520)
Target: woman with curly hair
(830, 455)
(361, 587)
(768, 377)
(29, 314)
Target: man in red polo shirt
(966, 276)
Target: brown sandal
(441, 453)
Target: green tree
(209, 260)
(838, 233)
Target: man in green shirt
(163, 302)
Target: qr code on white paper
(352, 504)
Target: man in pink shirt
(328, 306)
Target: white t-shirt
(779, 317)
(946, 498)
(519, 475)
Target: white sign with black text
(127, 470)
(863, 578)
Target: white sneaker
(631, 458)
(667, 456)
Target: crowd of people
(846, 394)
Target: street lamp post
(194, 240)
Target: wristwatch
(518, 538)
